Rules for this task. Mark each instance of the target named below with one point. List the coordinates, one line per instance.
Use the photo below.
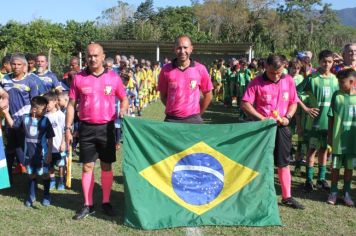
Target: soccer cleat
(323, 185)
(291, 202)
(84, 212)
(23, 169)
(348, 201)
(29, 202)
(332, 198)
(17, 169)
(46, 201)
(107, 208)
(308, 186)
(61, 187)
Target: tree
(116, 15)
(144, 11)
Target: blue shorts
(58, 159)
(37, 169)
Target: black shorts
(283, 145)
(193, 119)
(15, 138)
(97, 141)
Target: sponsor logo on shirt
(46, 79)
(33, 130)
(326, 92)
(86, 90)
(267, 97)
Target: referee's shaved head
(95, 45)
(180, 37)
(95, 57)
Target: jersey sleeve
(250, 93)
(162, 82)
(18, 122)
(206, 84)
(73, 91)
(293, 95)
(55, 81)
(120, 89)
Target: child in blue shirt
(38, 146)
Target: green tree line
(271, 26)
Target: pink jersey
(96, 96)
(267, 96)
(183, 87)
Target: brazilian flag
(191, 175)
(4, 175)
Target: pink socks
(106, 184)
(88, 187)
(286, 181)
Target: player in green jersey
(320, 86)
(342, 134)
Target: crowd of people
(45, 116)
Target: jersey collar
(174, 64)
(265, 77)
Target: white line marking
(200, 168)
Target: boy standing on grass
(342, 134)
(38, 146)
(320, 87)
(57, 119)
(269, 93)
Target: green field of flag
(193, 175)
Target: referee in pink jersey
(275, 92)
(95, 89)
(181, 84)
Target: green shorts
(344, 160)
(318, 139)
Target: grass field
(15, 219)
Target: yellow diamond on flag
(198, 178)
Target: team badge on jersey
(285, 96)
(108, 90)
(193, 84)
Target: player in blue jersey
(38, 143)
(21, 88)
(48, 78)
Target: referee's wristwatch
(289, 117)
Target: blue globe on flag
(198, 178)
